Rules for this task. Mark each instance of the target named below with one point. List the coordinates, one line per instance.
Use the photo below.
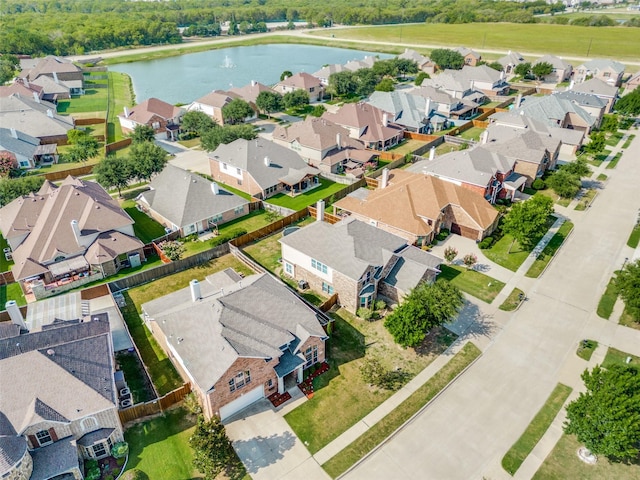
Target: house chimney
(432, 153)
(14, 134)
(126, 112)
(49, 113)
(572, 84)
(320, 210)
(518, 100)
(15, 314)
(385, 178)
(385, 119)
(76, 230)
(215, 188)
(427, 108)
(501, 75)
(55, 78)
(253, 83)
(484, 138)
(339, 141)
(267, 161)
(36, 98)
(196, 295)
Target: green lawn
(93, 100)
(628, 142)
(563, 202)
(586, 349)
(160, 447)
(298, 202)
(12, 292)
(145, 227)
(601, 177)
(120, 96)
(628, 320)
(194, 142)
(550, 250)
(512, 301)
(607, 301)
(472, 134)
(586, 199)
(5, 265)
(499, 253)
(403, 412)
(474, 283)
(406, 146)
(614, 161)
(618, 357)
(634, 238)
(614, 138)
(535, 430)
(134, 373)
(563, 463)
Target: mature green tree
(527, 221)
(384, 68)
(542, 69)
(244, 27)
(564, 183)
(523, 69)
(142, 133)
(606, 418)
(596, 143)
(236, 111)
(610, 123)
(420, 78)
(445, 58)
(113, 172)
(269, 102)
(578, 167)
(196, 122)
(425, 307)
(226, 134)
(342, 83)
(385, 85)
(318, 110)
(83, 148)
(297, 98)
(495, 65)
(10, 189)
(285, 74)
(9, 67)
(212, 450)
(366, 81)
(405, 66)
(629, 104)
(627, 283)
(146, 159)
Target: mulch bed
(307, 386)
(277, 399)
(108, 466)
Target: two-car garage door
(243, 402)
(466, 232)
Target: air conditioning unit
(126, 403)
(124, 392)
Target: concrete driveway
(192, 160)
(268, 448)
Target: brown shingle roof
(217, 98)
(250, 92)
(367, 117)
(301, 80)
(144, 111)
(316, 133)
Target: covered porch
(300, 181)
(514, 183)
(290, 371)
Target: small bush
(485, 243)
(93, 473)
(120, 449)
(380, 305)
(120, 461)
(89, 464)
(442, 235)
(538, 184)
(108, 477)
(191, 403)
(116, 472)
(364, 313)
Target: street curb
(554, 255)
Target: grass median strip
(522, 448)
(608, 300)
(513, 300)
(403, 412)
(550, 250)
(634, 238)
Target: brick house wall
(454, 214)
(247, 184)
(347, 290)
(395, 294)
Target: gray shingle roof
(184, 198)
(22, 145)
(604, 63)
(408, 110)
(90, 438)
(582, 99)
(37, 119)
(596, 87)
(249, 155)
(55, 459)
(553, 110)
(12, 449)
(411, 268)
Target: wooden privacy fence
(76, 172)
(6, 278)
(420, 136)
(156, 406)
(89, 121)
(328, 305)
(94, 292)
(269, 229)
(328, 217)
(119, 145)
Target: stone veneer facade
(22, 469)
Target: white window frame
(42, 435)
(288, 268)
(240, 380)
(321, 267)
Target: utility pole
(589, 49)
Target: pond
(184, 78)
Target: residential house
(555, 111)
(424, 63)
(301, 81)
(59, 399)
(65, 236)
(366, 62)
(26, 151)
(631, 84)
(249, 93)
(23, 88)
(60, 70)
(52, 91)
(510, 61)
(607, 70)
(155, 113)
(35, 118)
(187, 202)
(237, 340)
(484, 171)
(561, 72)
(484, 78)
(356, 260)
(471, 57)
(262, 168)
(368, 124)
(601, 89)
(416, 207)
(326, 146)
(449, 106)
(458, 85)
(213, 103)
(414, 113)
(325, 72)
(592, 104)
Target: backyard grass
(472, 134)
(403, 412)
(563, 463)
(120, 96)
(93, 100)
(135, 376)
(550, 250)
(445, 147)
(343, 384)
(628, 320)
(618, 357)
(194, 142)
(160, 447)
(145, 227)
(607, 301)
(12, 292)
(535, 430)
(407, 146)
(614, 161)
(586, 349)
(326, 189)
(5, 265)
(472, 282)
(634, 238)
(586, 199)
(513, 300)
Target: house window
(288, 268)
(216, 218)
(99, 450)
(321, 267)
(327, 288)
(224, 166)
(156, 125)
(238, 171)
(240, 380)
(311, 89)
(239, 182)
(239, 209)
(190, 228)
(44, 438)
(365, 302)
(311, 356)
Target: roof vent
(267, 161)
(51, 352)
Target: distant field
(567, 40)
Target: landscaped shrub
(485, 243)
(120, 461)
(220, 239)
(364, 313)
(442, 235)
(380, 305)
(375, 374)
(93, 473)
(191, 403)
(108, 477)
(120, 449)
(116, 472)
(172, 249)
(538, 184)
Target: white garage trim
(243, 402)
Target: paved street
(467, 430)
